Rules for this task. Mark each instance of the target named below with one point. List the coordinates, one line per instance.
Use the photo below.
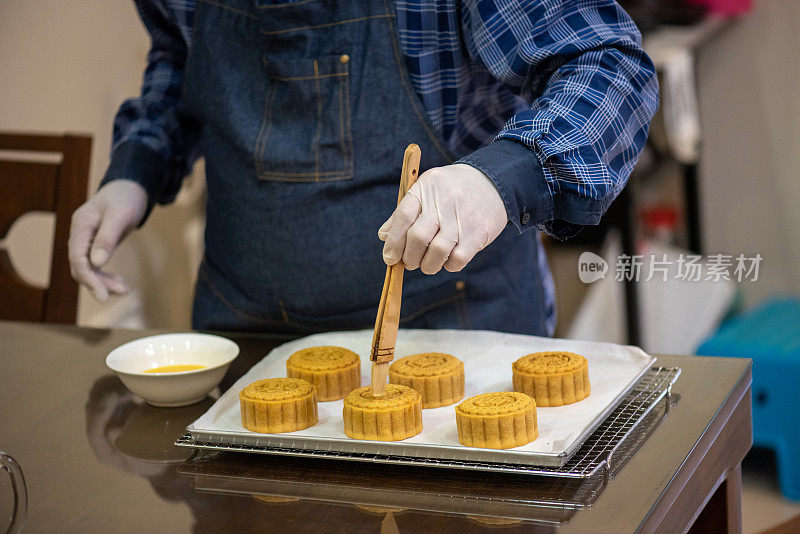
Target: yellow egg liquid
(175, 368)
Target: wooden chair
(36, 183)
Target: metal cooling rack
(607, 448)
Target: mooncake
(438, 377)
(275, 499)
(278, 405)
(497, 420)
(494, 522)
(334, 371)
(552, 378)
(393, 416)
(379, 510)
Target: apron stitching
(428, 308)
(403, 78)
(411, 317)
(263, 137)
(255, 319)
(326, 25)
(346, 84)
(284, 4)
(230, 8)
(461, 306)
(324, 173)
(341, 122)
(467, 321)
(315, 77)
(228, 304)
(303, 178)
(319, 122)
(283, 312)
(267, 122)
(459, 312)
(300, 177)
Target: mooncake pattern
(500, 420)
(334, 371)
(552, 378)
(393, 416)
(278, 405)
(438, 377)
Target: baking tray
(613, 371)
(533, 500)
(604, 451)
(539, 500)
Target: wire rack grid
(611, 441)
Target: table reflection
(312, 493)
(253, 492)
(134, 437)
(478, 498)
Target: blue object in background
(770, 335)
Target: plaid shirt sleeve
(153, 144)
(592, 92)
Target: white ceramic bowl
(131, 360)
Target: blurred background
(719, 178)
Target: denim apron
(306, 109)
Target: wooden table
(96, 459)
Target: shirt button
(344, 58)
(526, 217)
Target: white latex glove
(449, 215)
(97, 228)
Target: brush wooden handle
(388, 319)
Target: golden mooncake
(438, 377)
(379, 510)
(494, 522)
(334, 371)
(393, 416)
(275, 499)
(278, 405)
(552, 378)
(499, 420)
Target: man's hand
(447, 216)
(97, 228)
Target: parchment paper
(487, 358)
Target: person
(530, 116)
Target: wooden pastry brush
(388, 319)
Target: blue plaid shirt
(551, 99)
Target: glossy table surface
(96, 458)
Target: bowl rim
(234, 354)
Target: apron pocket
(305, 133)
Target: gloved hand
(97, 228)
(448, 215)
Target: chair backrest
(30, 184)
